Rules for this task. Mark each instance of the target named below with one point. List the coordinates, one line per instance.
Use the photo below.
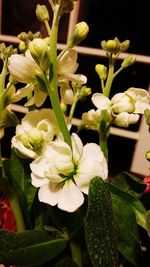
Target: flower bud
(32, 139)
(80, 32)
(37, 47)
(124, 45)
(101, 71)
(23, 36)
(22, 46)
(42, 13)
(128, 61)
(111, 46)
(147, 155)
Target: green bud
(23, 36)
(45, 61)
(63, 107)
(42, 13)
(37, 47)
(22, 46)
(80, 32)
(111, 46)
(147, 116)
(101, 71)
(30, 36)
(124, 45)
(84, 92)
(148, 155)
(32, 139)
(128, 61)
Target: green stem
(3, 76)
(103, 136)
(76, 252)
(48, 27)
(11, 196)
(62, 52)
(110, 77)
(72, 110)
(52, 85)
(118, 71)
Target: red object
(7, 219)
(146, 180)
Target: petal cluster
(63, 174)
(36, 129)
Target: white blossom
(63, 174)
(36, 129)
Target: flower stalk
(52, 85)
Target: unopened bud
(101, 71)
(112, 46)
(42, 13)
(124, 45)
(79, 34)
(22, 46)
(37, 47)
(23, 36)
(148, 155)
(128, 61)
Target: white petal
(77, 147)
(39, 166)
(101, 101)
(71, 197)
(21, 149)
(50, 193)
(38, 181)
(79, 78)
(93, 163)
(124, 119)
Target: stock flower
(24, 68)
(67, 66)
(36, 129)
(124, 107)
(63, 175)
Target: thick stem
(52, 85)
(110, 77)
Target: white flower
(124, 107)
(142, 99)
(36, 129)
(124, 119)
(24, 68)
(63, 175)
(67, 66)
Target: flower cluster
(58, 187)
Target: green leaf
(132, 201)
(129, 241)
(148, 222)
(129, 183)
(100, 227)
(19, 173)
(29, 248)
